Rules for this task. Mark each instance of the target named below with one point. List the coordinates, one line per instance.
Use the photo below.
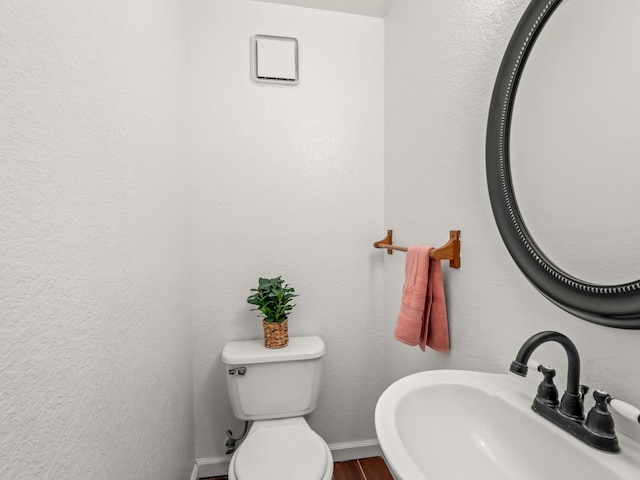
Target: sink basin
(452, 424)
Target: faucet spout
(571, 403)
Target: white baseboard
(194, 472)
(351, 450)
(213, 467)
(218, 466)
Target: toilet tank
(268, 383)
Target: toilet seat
(289, 452)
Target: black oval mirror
(614, 305)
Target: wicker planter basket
(276, 334)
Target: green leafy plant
(272, 299)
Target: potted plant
(273, 299)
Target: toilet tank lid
(254, 351)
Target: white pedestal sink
(452, 424)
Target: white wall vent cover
(275, 60)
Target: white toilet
(274, 388)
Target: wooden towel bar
(449, 251)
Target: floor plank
(375, 468)
(347, 471)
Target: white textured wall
(442, 58)
(95, 351)
(288, 181)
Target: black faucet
(568, 414)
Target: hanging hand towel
(410, 323)
(436, 327)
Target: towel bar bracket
(387, 242)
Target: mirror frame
(609, 305)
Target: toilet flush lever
(238, 371)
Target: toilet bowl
(284, 449)
(275, 388)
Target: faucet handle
(599, 419)
(601, 397)
(547, 391)
(625, 409)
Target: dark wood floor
(372, 468)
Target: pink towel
(423, 314)
(414, 296)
